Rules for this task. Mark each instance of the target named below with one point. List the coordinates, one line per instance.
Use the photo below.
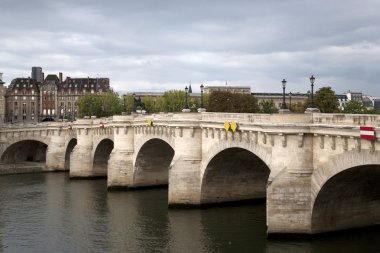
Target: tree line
(110, 103)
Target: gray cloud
(159, 45)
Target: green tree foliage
(103, 105)
(149, 104)
(267, 106)
(326, 101)
(354, 107)
(299, 107)
(222, 101)
(174, 100)
(127, 103)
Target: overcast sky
(156, 45)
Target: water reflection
(50, 213)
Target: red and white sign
(101, 125)
(367, 132)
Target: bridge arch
(69, 148)
(25, 151)
(234, 174)
(346, 192)
(101, 156)
(152, 163)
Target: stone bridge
(314, 170)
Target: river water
(51, 213)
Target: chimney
(42, 77)
(60, 77)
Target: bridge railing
(347, 119)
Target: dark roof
(341, 96)
(85, 83)
(53, 78)
(18, 83)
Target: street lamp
(186, 104)
(311, 104)
(134, 102)
(125, 105)
(290, 100)
(283, 106)
(202, 87)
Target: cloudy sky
(156, 45)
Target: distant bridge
(315, 171)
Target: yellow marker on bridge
(227, 126)
(150, 122)
(234, 126)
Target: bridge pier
(55, 154)
(120, 165)
(184, 174)
(289, 188)
(289, 205)
(81, 159)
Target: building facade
(2, 101)
(28, 100)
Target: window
(44, 113)
(32, 92)
(24, 98)
(16, 91)
(16, 97)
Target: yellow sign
(234, 126)
(150, 122)
(227, 126)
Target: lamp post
(134, 102)
(202, 87)
(283, 106)
(124, 103)
(186, 104)
(311, 104)
(290, 100)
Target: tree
(100, 105)
(174, 100)
(222, 101)
(110, 104)
(354, 107)
(299, 107)
(325, 100)
(127, 103)
(267, 106)
(149, 104)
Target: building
(37, 74)
(341, 100)
(2, 101)
(277, 98)
(227, 88)
(354, 96)
(29, 100)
